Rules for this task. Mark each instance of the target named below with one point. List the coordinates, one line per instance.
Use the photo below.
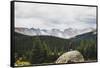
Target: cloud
(46, 16)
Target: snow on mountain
(66, 33)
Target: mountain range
(66, 33)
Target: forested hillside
(46, 49)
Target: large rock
(70, 57)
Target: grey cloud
(54, 16)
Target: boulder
(70, 57)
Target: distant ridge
(67, 33)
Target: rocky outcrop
(70, 57)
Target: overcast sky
(47, 16)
